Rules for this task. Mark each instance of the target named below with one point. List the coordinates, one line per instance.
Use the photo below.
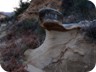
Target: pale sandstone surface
(63, 52)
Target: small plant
(84, 8)
(11, 58)
(23, 7)
(90, 32)
(29, 24)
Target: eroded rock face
(36, 5)
(62, 51)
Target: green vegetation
(23, 7)
(90, 32)
(84, 8)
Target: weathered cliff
(67, 51)
(36, 5)
(66, 48)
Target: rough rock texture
(36, 5)
(13, 43)
(2, 17)
(66, 51)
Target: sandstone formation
(65, 48)
(61, 5)
(36, 5)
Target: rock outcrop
(36, 5)
(61, 5)
(65, 48)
